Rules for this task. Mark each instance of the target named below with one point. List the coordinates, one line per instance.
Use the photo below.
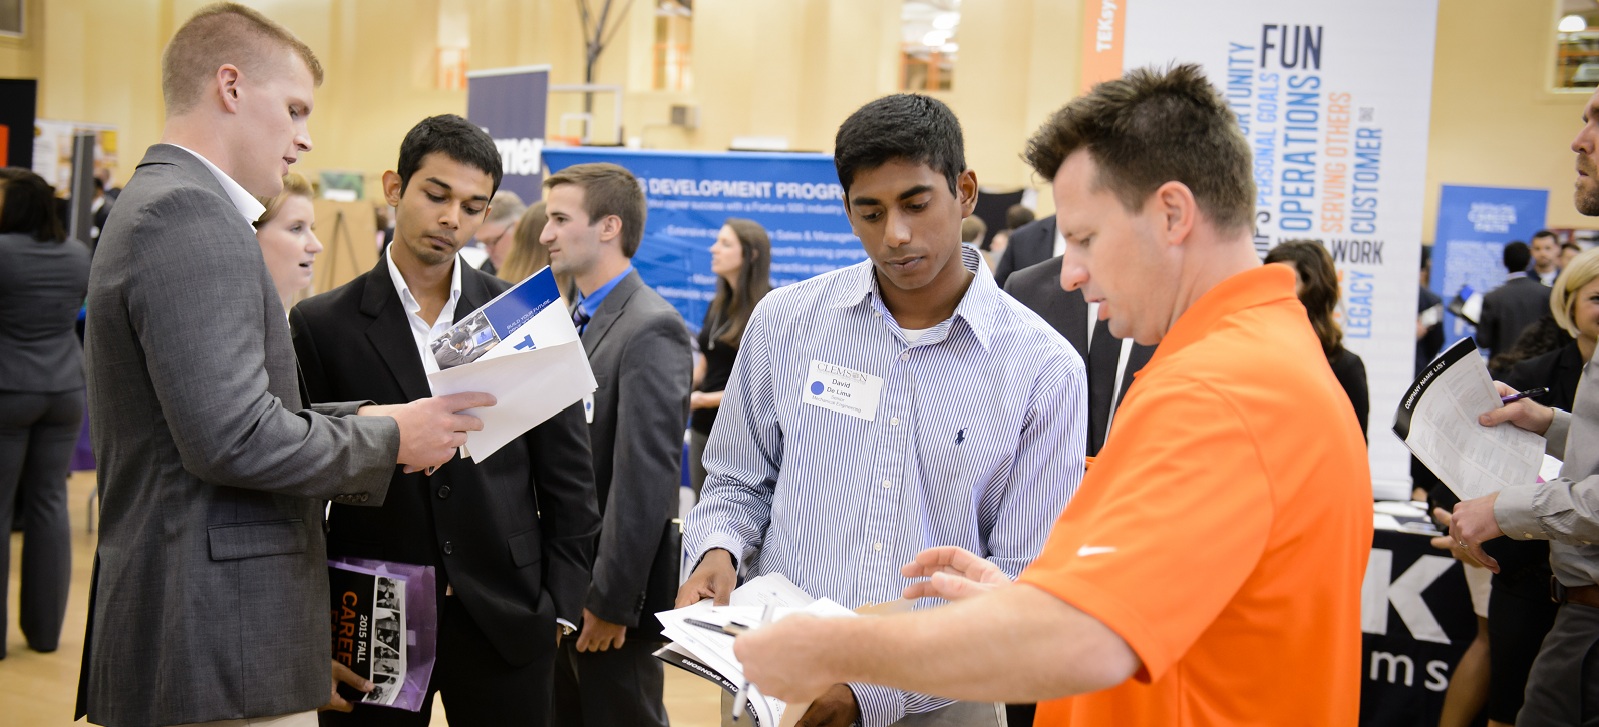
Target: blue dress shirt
(975, 442)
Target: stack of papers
(1437, 420)
(522, 348)
(709, 654)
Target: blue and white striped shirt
(975, 442)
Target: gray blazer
(644, 365)
(210, 596)
(42, 285)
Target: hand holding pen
(1536, 391)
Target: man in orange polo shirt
(1208, 571)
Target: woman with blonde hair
(289, 245)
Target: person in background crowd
(1508, 309)
(956, 414)
(289, 244)
(1545, 257)
(972, 230)
(742, 261)
(1015, 216)
(1561, 686)
(526, 256)
(43, 280)
(1166, 595)
(1316, 283)
(643, 361)
(1568, 250)
(384, 215)
(496, 233)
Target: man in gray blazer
(639, 349)
(209, 600)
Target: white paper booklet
(1437, 420)
(709, 654)
(522, 348)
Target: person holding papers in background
(511, 537)
(1208, 572)
(1563, 686)
(900, 403)
(643, 362)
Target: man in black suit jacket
(1029, 245)
(1510, 308)
(1110, 371)
(639, 349)
(511, 538)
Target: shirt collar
(243, 201)
(412, 305)
(1254, 287)
(591, 303)
(978, 307)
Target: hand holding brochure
(522, 348)
(1437, 420)
(708, 653)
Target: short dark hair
(1516, 256)
(904, 127)
(608, 190)
(455, 138)
(1151, 127)
(1545, 233)
(28, 206)
(219, 33)
(1017, 215)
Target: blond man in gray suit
(209, 601)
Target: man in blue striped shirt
(891, 406)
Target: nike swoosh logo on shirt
(1088, 550)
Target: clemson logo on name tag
(842, 390)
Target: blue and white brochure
(522, 348)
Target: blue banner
(510, 103)
(796, 197)
(1474, 225)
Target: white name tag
(843, 390)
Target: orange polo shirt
(1224, 529)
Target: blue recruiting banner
(1474, 225)
(796, 197)
(510, 103)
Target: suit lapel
(390, 332)
(610, 310)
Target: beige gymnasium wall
(789, 68)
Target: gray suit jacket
(209, 598)
(42, 285)
(639, 349)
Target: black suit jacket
(514, 535)
(644, 367)
(1029, 245)
(1508, 310)
(1038, 288)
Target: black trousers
(610, 688)
(477, 685)
(38, 433)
